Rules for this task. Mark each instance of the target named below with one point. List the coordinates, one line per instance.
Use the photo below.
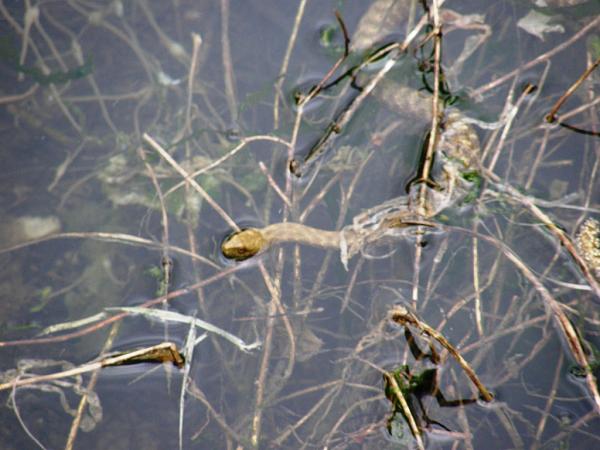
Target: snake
(457, 153)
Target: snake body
(457, 152)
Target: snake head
(243, 244)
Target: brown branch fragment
(403, 316)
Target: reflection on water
(106, 106)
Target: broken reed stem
(416, 271)
(162, 152)
(401, 315)
(435, 119)
(106, 322)
(19, 97)
(549, 224)
(554, 309)
(196, 42)
(328, 137)
(315, 90)
(428, 160)
(405, 410)
(167, 347)
(498, 81)
(273, 184)
(592, 103)
(551, 117)
(90, 388)
(286, 61)
(243, 142)
(476, 287)
(227, 64)
(120, 238)
(507, 126)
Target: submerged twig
(165, 352)
(286, 61)
(156, 146)
(190, 320)
(315, 90)
(543, 57)
(227, 62)
(551, 116)
(117, 317)
(550, 225)
(414, 428)
(19, 97)
(327, 139)
(273, 184)
(83, 402)
(120, 238)
(403, 316)
(556, 311)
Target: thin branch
(551, 117)
(286, 61)
(543, 57)
(156, 146)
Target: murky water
(96, 217)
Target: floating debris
(588, 244)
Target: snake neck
(296, 232)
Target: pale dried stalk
(498, 81)
(406, 410)
(273, 184)
(555, 309)
(548, 223)
(227, 63)
(89, 388)
(156, 146)
(428, 160)
(89, 367)
(286, 61)
(243, 142)
(121, 238)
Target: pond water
(106, 106)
